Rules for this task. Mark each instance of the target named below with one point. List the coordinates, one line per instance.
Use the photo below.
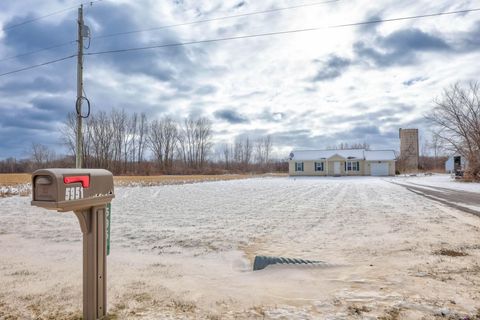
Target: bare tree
(142, 133)
(238, 151)
(436, 146)
(41, 155)
(69, 133)
(456, 116)
(263, 149)
(101, 135)
(267, 148)
(204, 137)
(195, 141)
(345, 145)
(227, 152)
(163, 139)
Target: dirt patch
(253, 247)
(450, 253)
(357, 310)
(391, 314)
(183, 306)
(22, 273)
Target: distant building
(409, 149)
(455, 163)
(351, 162)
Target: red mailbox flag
(85, 180)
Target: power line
(38, 65)
(247, 36)
(282, 32)
(36, 19)
(214, 19)
(157, 28)
(39, 50)
(47, 15)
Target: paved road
(458, 199)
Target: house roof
(379, 155)
(325, 154)
(348, 154)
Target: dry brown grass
(11, 182)
(14, 179)
(450, 253)
(175, 179)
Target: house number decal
(73, 193)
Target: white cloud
(267, 80)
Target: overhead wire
(39, 50)
(280, 32)
(54, 46)
(38, 65)
(169, 26)
(13, 26)
(214, 19)
(247, 36)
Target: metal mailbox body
(86, 192)
(71, 189)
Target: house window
(318, 166)
(298, 166)
(352, 166)
(355, 166)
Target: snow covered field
(186, 251)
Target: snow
(360, 154)
(186, 251)
(22, 189)
(379, 155)
(441, 181)
(325, 154)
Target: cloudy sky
(307, 89)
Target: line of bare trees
(345, 145)
(245, 154)
(132, 144)
(119, 141)
(456, 121)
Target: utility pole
(78, 103)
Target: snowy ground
(186, 251)
(439, 180)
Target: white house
(349, 162)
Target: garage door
(379, 169)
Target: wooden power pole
(78, 103)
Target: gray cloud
(206, 90)
(469, 40)
(239, 5)
(332, 68)
(41, 83)
(200, 79)
(272, 116)
(412, 81)
(400, 47)
(372, 27)
(390, 113)
(230, 116)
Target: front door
(336, 168)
